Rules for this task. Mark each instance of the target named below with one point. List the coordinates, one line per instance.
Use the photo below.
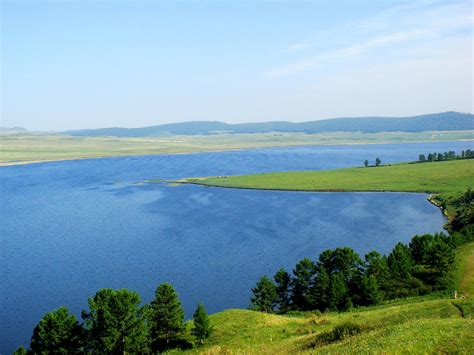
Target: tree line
(451, 155)
(341, 279)
(117, 323)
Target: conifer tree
(400, 262)
(264, 295)
(202, 326)
(166, 318)
(57, 332)
(283, 285)
(304, 273)
(338, 293)
(320, 291)
(115, 322)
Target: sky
(88, 64)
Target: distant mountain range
(446, 121)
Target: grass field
(448, 178)
(418, 325)
(16, 149)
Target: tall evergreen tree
(304, 273)
(377, 162)
(166, 318)
(366, 163)
(264, 297)
(57, 332)
(202, 326)
(400, 262)
(370, 293)
(338, 293)
(116, 323)
(320, 291)
(283, 289)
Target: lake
(70, 228)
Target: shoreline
(7, 163)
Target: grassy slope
(449, 178)
(29, 148)
(417, 325)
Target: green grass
(416, 327)
(26, 148)
(448, 178)
(419, 325)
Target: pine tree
(57, 332)
(304, 273)
(166, 318)
(115, 322)
(202, 326)
(320, 291)
(366, 163)
(370, 291)
(400, 262)
(377, 162)
(264, 295)
(338, 293)
(283, 284)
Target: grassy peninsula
(449, 178)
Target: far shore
(109, 147)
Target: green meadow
(28, 148)
(448, 178)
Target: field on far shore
(448, 178)
(29, 148)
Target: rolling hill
(447, 121)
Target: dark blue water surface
(70, 228)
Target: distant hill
(446, 121)
(12, 130)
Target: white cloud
(397, 27)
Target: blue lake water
(70, 228)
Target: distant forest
(447, 121)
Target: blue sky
(84, 64)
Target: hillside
(446, 121)
(429, 324)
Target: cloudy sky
(85, 64)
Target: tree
(321, 289)
(366, 163)
(304, 272)
(377, 162)
(57, 332)
(283, 285)
(166, 318)
(422, 158)
(20, 351)
(202, 326)
(400, 263)
(370, 291)
(115, 322)
(340, 260)
(264, 295)
(420, 246)
(338, 293)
